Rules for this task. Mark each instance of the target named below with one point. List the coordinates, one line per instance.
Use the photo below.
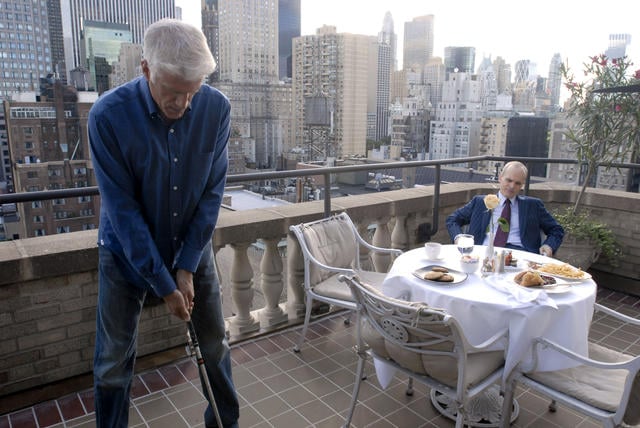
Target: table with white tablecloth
(484, 305)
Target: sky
(512, 29)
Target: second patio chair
(604, 386)
(331, 246)
(424, 343)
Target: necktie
(501, 236)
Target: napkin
(522, 295)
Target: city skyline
(549, 27)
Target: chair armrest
(330, 268)
(482, 347)
(371, 247)
(622, 317)
(633, 364)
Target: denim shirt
(161, 185)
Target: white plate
(457, 275)
(584, 277)
(554, 288)
(561, 286)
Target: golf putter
(194, 349)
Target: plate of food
(564, 271)
(440, 275)
(536, 280)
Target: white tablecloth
(484, 309)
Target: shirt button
(175, 214)
(175, 238)
(171, 130)
(175, 187)
(175, 160)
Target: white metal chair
(424, 343)
(604, 386)
(331, 246)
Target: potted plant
(605, 129)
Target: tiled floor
(279, 388)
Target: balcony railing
(48, 285)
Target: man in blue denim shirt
(159, 148)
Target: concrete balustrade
(48, 285)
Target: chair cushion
(333, 243)
(601, 388)
(334, 288)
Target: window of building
(38, 219)
(39, 232)
(59, 201)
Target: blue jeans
(119, 307)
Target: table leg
(483, 411)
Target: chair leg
(507, 403)
(409, 390)
(553, 406)
(303, 333)
(356, 387)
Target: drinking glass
(465, 244)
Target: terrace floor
(278, 388)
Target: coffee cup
(432, 249)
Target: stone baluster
(381, 238)
(271, 279)
(400, 234)
(365, 255)
(242, 291)
(295, 278)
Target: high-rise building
(385, 67)
(136, 14)
(459, 59)
(455, 129)
(127, 66)
(248, 41)
(56, 39)
(418, 42)
(288, 29)
(525, 85)
(334, 66)
(554, 81)
(248, 67)
(101, 43)
(49, 149)
(618, 45)
(502, 71)
(25, 40)
(211, 30)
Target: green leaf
(504, 224)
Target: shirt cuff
(188, 259)
(163, 284)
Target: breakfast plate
(424, 272)
(563, 271)
(554, 285)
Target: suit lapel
(523, 214)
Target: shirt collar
(152, 107)
(504, 198)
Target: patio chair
(424, 343)
(604, 386)
(331, 246)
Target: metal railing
(326, 172)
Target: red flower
(637, 75)
(618, 108)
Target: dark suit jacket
(533, 218)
